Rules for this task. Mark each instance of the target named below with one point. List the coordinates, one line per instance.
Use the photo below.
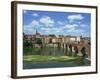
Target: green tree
(38, 41)
(27, 43)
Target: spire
(36, 32)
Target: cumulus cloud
(76, 31)
(60, 23)
(25, 11)
(28, 30)
(35, 23)
(72, 18)
(83, 25)
(51, 30)
(31, 27)
(73, 28)
(47, 21)
(49, 25)
(35, 14)
(69, 27)
(45, 29)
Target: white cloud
(69, 27)
(35, 14)
(79, 22)
(45, 29)
(35, 23)
(78, 31)
(30, 28)
(74, 29)
(25, 11)
(58, 31)
(51, 30)
(75, 17)
(60, 23)
(83, 25)
(47, 21)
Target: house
(53, 38)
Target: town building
(53, 38)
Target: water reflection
(59, 50)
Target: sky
(57, 23)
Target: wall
(5, 41)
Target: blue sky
(58, 23)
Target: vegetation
(38, 41)
(39, 58)
(47, 53)
(27, 43)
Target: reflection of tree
(76, 50)
(83, 51)
(70, 50)
(66, 52)
(59, 45)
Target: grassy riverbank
(39, 58)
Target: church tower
(37, 33)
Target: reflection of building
(53, 38)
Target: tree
(38, 41)
(27, 43)
(52, 35)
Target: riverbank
(37, 61)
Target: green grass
(43, 55)
(39, 58)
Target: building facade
(53, 38)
